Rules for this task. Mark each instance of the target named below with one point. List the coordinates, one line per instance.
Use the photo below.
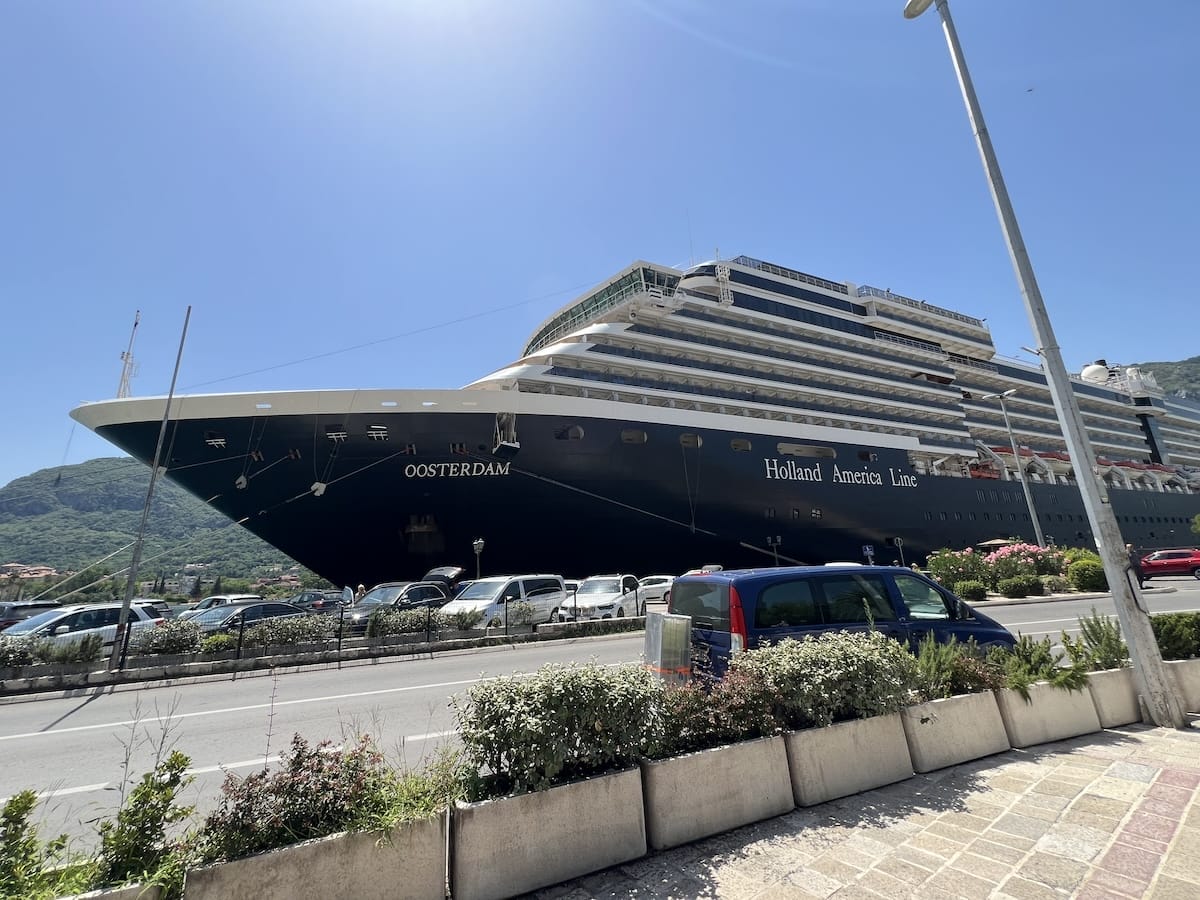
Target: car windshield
(213, 616)
(600, 586)
(33, 622)
(377, 596)
(482, 590)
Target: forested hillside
(71, 516)
(1177, 376)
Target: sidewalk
(1109, 815)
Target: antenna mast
(128, 366)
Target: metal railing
(791, 274)
(867, 291)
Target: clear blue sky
(437, 176)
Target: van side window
(923, 600)
(856, 599)
(512, 591)
(787, 603)
(536, 587)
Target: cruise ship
(738, 413)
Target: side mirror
(62, 629)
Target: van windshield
(486, 589)
(706, 602)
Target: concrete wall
(407, 862)
(946, 732)
(132, 892)
(1115, 697)
(693, 796)
(518, 844)
(1052, 714)
(1187, 678)
(846, 758)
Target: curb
(1053, 598)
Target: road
(75, 749)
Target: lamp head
(914, 8)
(477, 545)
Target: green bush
(172, 636)
(953, 668)
(1033, 585)
(30, 868)
(971, 590)
(16, 652)
(1177, 634)
(465, 619)
(134, 844)
(528, 733)
(287, 630)
(1056, 584)
(833, 677)
(703, 714)
(1030, 661)
(1013, 587)
(1075, 554)
(218, 643)
(952, 566)
(405, 621)
(1087, 575)
(1099, 645)
(520, 613)
(86, 649)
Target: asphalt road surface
(78, 750)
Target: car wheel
(495, 623)
(621, 613)
(554, 616)
(1196, 572)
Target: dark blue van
(739, 610)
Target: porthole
(741, 445)
(633, 436)
(569, 433)
(691, 440)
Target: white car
(603, 597)
(492, 598)
(654, 588)
(68, 624)
(218, 600)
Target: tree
(1196, 524)
(217, 585)
(197, 589)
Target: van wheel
(621, 613)
(554, 616)
(495, 623)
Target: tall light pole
(1162, 702)
(773, 541)
(1012, 440)
(477, 546)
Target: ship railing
(910, 342)
(586, 312)
(751, 263)
(867, 290)
(959, 359)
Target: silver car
(69, 624)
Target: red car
(1171, 562)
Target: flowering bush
(699, 715)
(172, 636)
(291, 630)
(1017, 560)
(405, 621)
(952, 566)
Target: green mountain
(1177, 377)
(71, 516)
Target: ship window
(458, 447)
(569, 433)
(971, 516)
(816, 513)
(409, 450)
(633, 436)
(691, 440)
(377, 433)
(928, 516)
(262, 405)
(958, 517)
(795, 513)
(770, 512)
(987, 517)
(942, 516)
(741, 445)
(867, 456)
(215, 439)
(336, 433)
(809, 451)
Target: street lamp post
(477, 546)
(1162, 701)
(773, 542)
(1012, 439)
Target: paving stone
(1168, 888)
(928, 861)
(1155, 827)
(1025, 807)
(1118, 883)
(1055, 871)
(993, 870)
(829, 865)
(999, 852)
(1181, 865)
(1188, 841)
(903, 871)
(1104, 806)
(1130, 861)
(1024, 889)
(935, 844)
(1074, 842)
(1120, 789)
(885, 884)
(1132, 772)
(1162, 791)
(813, 882)
(1023, 826)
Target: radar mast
(128, 366)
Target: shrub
(404, 621)
(1011, 561)
(15, 652)
(1030, 661)
(703, 714)
(1099, 645)
(172, 636)
(218, 643)
(1177, 634)
(971, 590)
(29, 866)
(1087, 575)
(465, 619)
(85, 649)
(133, 845)
(317, 791)
(1055, 584)
(1013, 587)
(953, 566)
(1075, 554)
(953, 668)
(832, 677)
(520, 613)
(529, 733)
(287, 630)
(1033, 585)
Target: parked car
(1171, 562)
(218, 600)
(449, 577)
(231, 617)
(712, 567)
(602, 597)
(493, 596)
(69, 624)
(317, 601)
(654, 588)
(737, 610)
(20, 610)
(394, 595)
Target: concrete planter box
(515, 845)
(1115, 696)
(699, 794)
(129, 892)
(958, 729)
(408, 861)
(1187, 679)
(846, 758)
(1051, 714)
